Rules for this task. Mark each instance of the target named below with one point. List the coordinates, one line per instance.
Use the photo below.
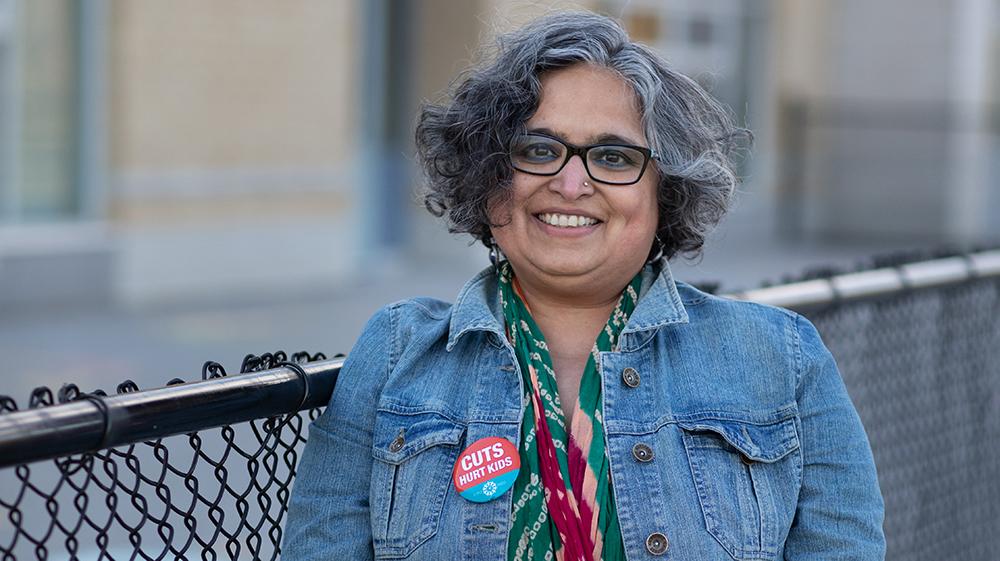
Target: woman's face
(581, 105)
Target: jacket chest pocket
(414, 455)
(747, 480)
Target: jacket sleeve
(840, 509)
(328, 516)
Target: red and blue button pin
(486, 469)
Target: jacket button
(642, 452)
(397, 443)
(630, 377)
(657, 543)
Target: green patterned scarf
(564, 508)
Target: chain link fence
(921, 360)
(218, 493)
(923, 369)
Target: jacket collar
(478, 305)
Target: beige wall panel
(448, 36)
(504, 15)
(452, 33)
(801, 47)
(232, 84)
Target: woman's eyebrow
(609, 138)
(550, 132)
(603, 138)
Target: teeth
(566, 220)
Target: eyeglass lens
(609, 163)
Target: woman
(576, 402)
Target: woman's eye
(613, 159)
(538, 152)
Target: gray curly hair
(463, 145)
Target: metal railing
(89, 423)
(204, 469)
(811, 295)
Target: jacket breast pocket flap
(747, 480)
(758, 442)
(415, 454)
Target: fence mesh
(923, 369)
(214, 494)
(921, 366)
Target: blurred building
(888, 119)
(153, 151)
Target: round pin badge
(486, 469)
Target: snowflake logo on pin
(489, 489)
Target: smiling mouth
(566, 220)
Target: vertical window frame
(88, 185)
(9, 115)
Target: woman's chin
(574, 265)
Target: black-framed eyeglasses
(612, 164)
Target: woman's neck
(570, 327)
(570, 324)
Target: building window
(700, 31)
(7, 121)
(38, 102)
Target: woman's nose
(573, 181)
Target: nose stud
(586, 184)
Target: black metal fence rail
(203, 470)
(89, 423)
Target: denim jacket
(729, 429)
